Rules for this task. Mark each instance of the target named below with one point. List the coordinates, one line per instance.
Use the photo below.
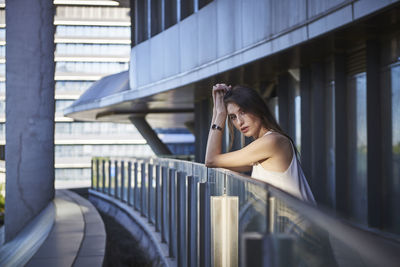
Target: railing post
(271, 214)
(116, 179)
(129, 197)
(164, 204)
(135, 189)
(109, 177)
(92, 173)
(224, 230)
(205, 227)
(172, 214)
(103, 171)
(149, 192)
(181, 223)
(122, 186)
(192, 221)
(157, 200)
(143, 190)
(97, 174)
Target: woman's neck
(262, 132)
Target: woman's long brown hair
(250, 101)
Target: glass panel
(309, 244)
(72, 86)
(76, 174)
(90, 67)
(61, 105)
(358, 147)
(297, 112)
(2, 87)
(394, 182)
(92, 31)
(274, 107)
(330, 133)
(91, 49)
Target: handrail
(173, 193)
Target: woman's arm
(214, 142)
(259, 150)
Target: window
(297, 118)
(62, 104)
(394, 183)
(358, 146)
(93, 31)
(70, 86)
(274, 107)
(91, 67)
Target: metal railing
(274, 228)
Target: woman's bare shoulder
(276, 141)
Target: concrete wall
(229, 33)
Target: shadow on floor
(121, 248)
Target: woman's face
(247, 123)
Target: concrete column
(286, 93)
(374, 136)
(283, 101)
(318, 154)
(29, 111)
(306, 125)
(151, 137)
(341, 135)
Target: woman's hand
(218, 93)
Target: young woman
(271, 156)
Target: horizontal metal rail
(174, 196)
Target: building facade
(91, 41)
(328, 69)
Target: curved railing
(215, 217)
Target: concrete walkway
(78, 237)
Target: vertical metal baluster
(116, 179)
(192, 221)
(205, 227)
(172, 214)
(149, 192)
(97, 174)
(92, 173)
(143, 190)
(109, 177)
(164, 203)
(271, 214)
(157, 200)
(129, 197)
(135, 190)
(181, 222)
(103, 170)
(122, 186)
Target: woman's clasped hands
(218, 93)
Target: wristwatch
(216, 127)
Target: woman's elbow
(209, 163)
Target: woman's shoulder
(276, 140)
(275, 137)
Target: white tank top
(291, 181)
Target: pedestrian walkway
(78, 237)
